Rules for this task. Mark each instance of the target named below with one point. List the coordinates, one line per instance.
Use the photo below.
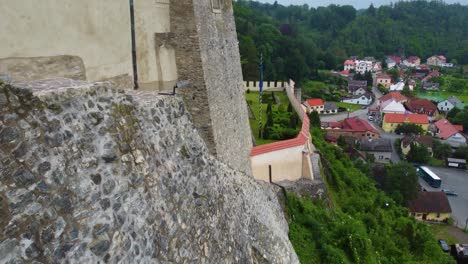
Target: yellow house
(391, 121)
(431, 206)
(406, 142)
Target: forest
(296, 41)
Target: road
(455, 180)
(362, 113)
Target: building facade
(149, 44)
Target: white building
(392, 106)
(448, 104)
(397, 86)
(364, 99)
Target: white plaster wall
(286, 164)
(152, 17)
(96, 31)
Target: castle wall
(156, 63)
(98, 32)
(224, 83)
(207, 54)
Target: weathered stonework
(89, 174)
(207, 54)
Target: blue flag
(260, 84)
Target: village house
(330, 108)
(412, 61)
(430, 206)
(392, 61)
(422, 106)
(383, 79)
(362, 66)
(391, 121)
(449, 103)
(395, 96)
(354, 127)
(392, 106)
(451, 133)
(432, 74)
(397, 86)
(407, 140)
(314, 104)
(349, 65)
(357, 87)
(429, 86)
(436, 60)
(364, 99)
(381, 149)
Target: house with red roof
(391, 121)
(383, 79)
(395, 96)
(412, 61)
(451, 133)
(409, 140)
(349, 65)
(315, 104)
(351, 127)
(422, 106)
(436, 60)
(430, 206)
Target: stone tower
(203, 35)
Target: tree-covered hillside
(297, 40)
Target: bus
(429, 176)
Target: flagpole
(260, 130)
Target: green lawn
(253, 101)
(352, 107)
(440, 96)
(440, 232)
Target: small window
(438, 215)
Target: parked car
(444, 245)
(449, 192)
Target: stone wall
(90, 174)
(207, 54)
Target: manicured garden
(278, 120)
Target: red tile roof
(430, 202)
(397, 96)
(358, 124)
(459, 127)
(383, 76)
(419, 105)
(396, 59)
(349, 62)
(446, 129)
(409, 118)
(300, 140)
(315, 102)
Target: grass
(438, 96)
(252, 100)
(440, 232)
(352, 107)
(436, 162)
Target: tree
(290, 107)
(409, 129)
(314, 119)
(418, 153)
(441, 150)
(461, 153)
(401, 182)
(406, 91)
(453, 113)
